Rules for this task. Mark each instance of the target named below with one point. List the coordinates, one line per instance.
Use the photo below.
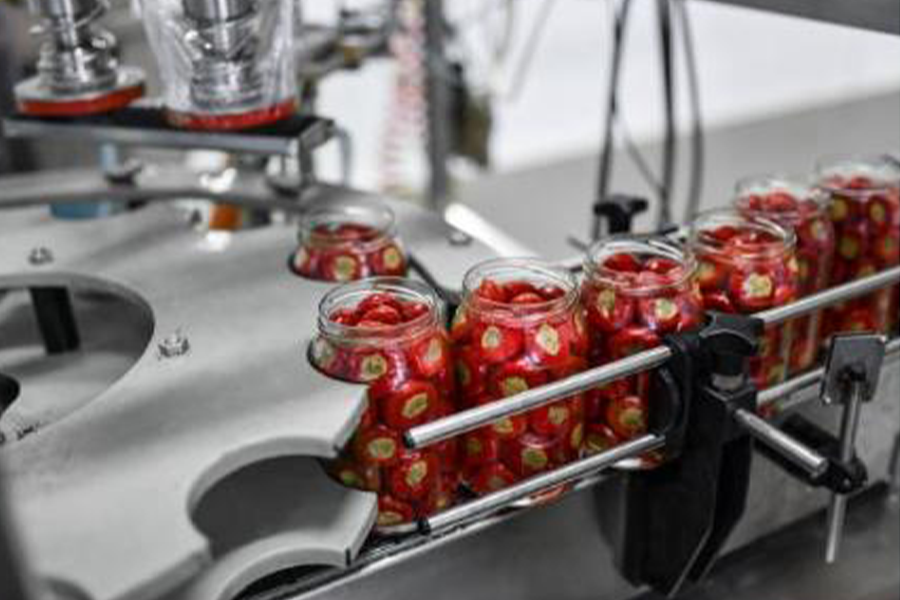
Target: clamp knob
(619, 211)
(729, 341)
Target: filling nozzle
(226, 41)
(77, 71)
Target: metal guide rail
(471, 419)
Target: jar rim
(724, 217)
(352, 293)
(551, 273)
(796, 185)
(646, 244)
(885, 173)
(372, 214)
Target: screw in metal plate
(40, 256)
(459, 238)
(174, 345)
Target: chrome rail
(468, 420)
(526, 488)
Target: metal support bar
(806, 458)
(539, 483)
(449, 427)
(837, 507)
(835, 295)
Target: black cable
(698, 144)
(605, 162)
(667, 180)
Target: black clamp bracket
(616, 213)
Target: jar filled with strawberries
(519, 327)
(748, 265)
(389, 334)
(636, 290)
(801, 208)
(345, 242)
(864, 196)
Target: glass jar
(389, 334)
(636, 290)
(801, 208)
(864, 194)
(748, 265)
(519, 326)
(346, 242)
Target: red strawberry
(412, 404)
(414, 476)
(599, 437)
(496, 342)
(377, 445)
(341, 265)
(492, 477)
(392, 512)
(528, 454)
(609, 310)
(627, 416)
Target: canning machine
(163, 428)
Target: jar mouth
(833, 172)
(535, 271)
(808, 201)
(322, 226)
(351, 294)
(703, 240)
(645, 247)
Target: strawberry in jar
(864, 206)
(636, 290)
(519, 327)
(388, 333)
(345, 242)
(757, 260)
(801, 208)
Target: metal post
(837, 508)
(437, 91)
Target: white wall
(752, 65)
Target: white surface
(752, 65)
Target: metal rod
(837, 508)
(807, 459)
(533, 485)
(834, 295)
(461, 422)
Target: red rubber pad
(256, 118)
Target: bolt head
(40, 256)
(459, 238)
(174, 345)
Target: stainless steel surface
(504, 498)
(809, 460)
(16, 583)
(217, 10)
(787, 565)
(467, 420)
(877, 15)
(831, 296)
(77, 61)
(315, 134)
(837, 507)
